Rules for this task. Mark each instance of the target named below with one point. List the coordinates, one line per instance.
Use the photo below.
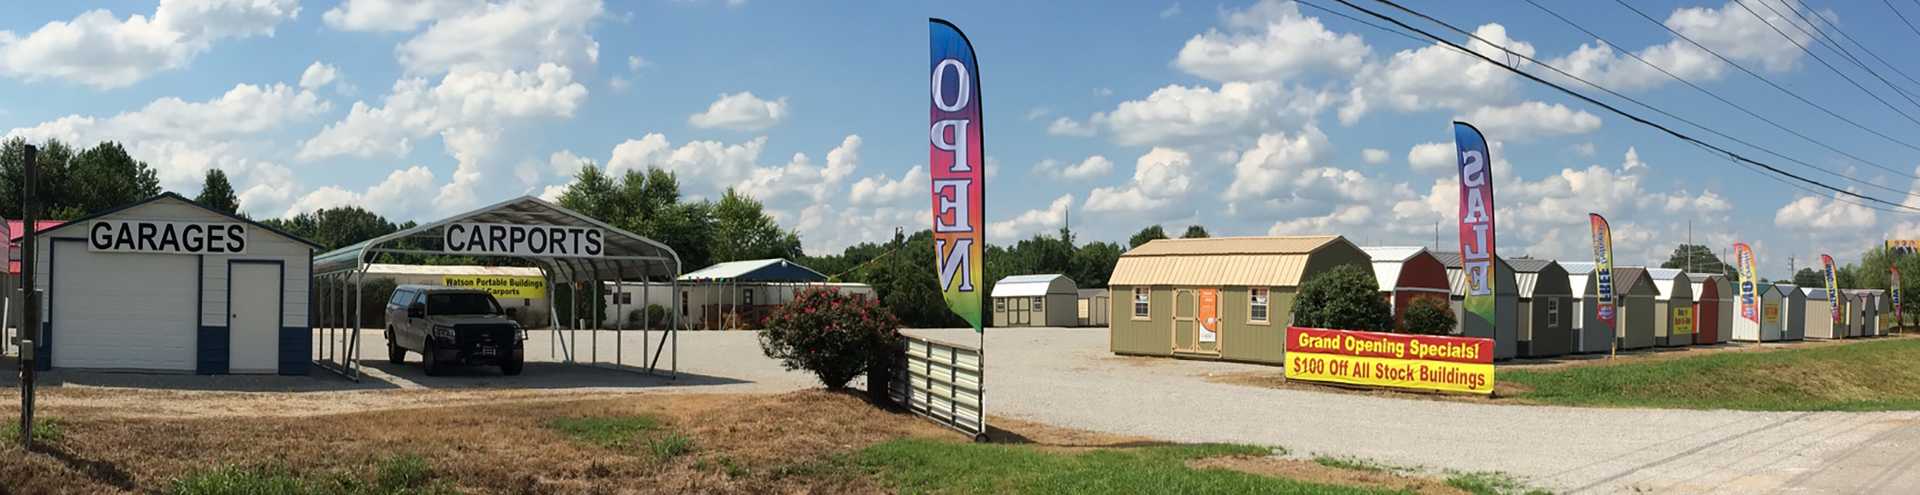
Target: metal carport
(623, 257)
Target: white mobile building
(169, 285)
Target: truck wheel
(430, 360)
(511, 366)
(395, 353)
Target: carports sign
(1423, 362)
(502, 239)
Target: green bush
(655, 317)
(1428, 316)
(835, 336)
(1343, 298)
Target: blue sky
(1249, 118)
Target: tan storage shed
(1673, 327)
(1406, 274)
(1035, 301)
(1793, 306)
(1712, 308)
(1859, 305)
(1588, 337)
(1818, 318)
(1093, 307)
(1882, 310)
(1505, 327)
(1636, 311)
(1546, 308)
(1251, 283)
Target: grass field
(1875, 375)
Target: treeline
(74, 184)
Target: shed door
(123, 310)
(1185, 331)
(254, 322)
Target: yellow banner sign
(1773, 313)
(501, 286)
(1682, 320)
(1386, 372)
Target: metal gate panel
(942, 382)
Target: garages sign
(1448, 364)
(541, 241)
(148, 236)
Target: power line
(1743, 109)
(1608, 107)
(1856, 43)
(1818, 34)
(1836, 71)
(1903, 17)
(1769, 82)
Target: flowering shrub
(835, 336)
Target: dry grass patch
(1318, 472)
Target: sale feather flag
(1895, 292)
(956, 162)
(1833, 287)
(1476, 220)
(1602, 269)
(1749, 284)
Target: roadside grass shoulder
(398, 475)
(1875, 375)
(46, 430)
(1491, 483)
(1352, 464)
(932, 466)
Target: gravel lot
(1066, 377)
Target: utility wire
(1903, 17)
(1722, 99)
(1856, 43)
(1768, 82)
(1836, 71)
(1820, 35)
(1610, 108)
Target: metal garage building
(1546, 308)
(1406, 274)
(1036, 301)
(166, 284)
(1712, 308)
(1673, 325)
(1505, 327)
(1248, 283)
(1793, 308)
(1819, 316)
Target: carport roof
(767, 270)
(622, 247)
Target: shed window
(1140, 308)
(999, 305)
(1257, 304)
(749, 296)
(1039, 304)
(1553, 310)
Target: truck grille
(474, 335)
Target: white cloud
(1093, 166)
(101, 50)
(1178, 112)
(1064, 126)
(1270, 41)
(881, 190)
(1275, 159)
(801, 176)
(636, 62)
(1160, 176)
(741, 112)
(565, 163)
(1437, 76)
(1030, 221)
(399, 196)
(462, 99)
(1532, 119)
(716, 162)
(1342, 219)
(1170, 11)
(1734, 32)
(1375, 156)
(318, 75)
(392, 15)
(1827, 214)
(1729, 30)
(1432, 158)
(513, 34)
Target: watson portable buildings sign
(1422, 362)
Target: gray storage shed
(1036, 301)
(1673, 326)
(1636, 292)
(1505, 327)
(1547, 311)
(1093, 307)
(1793, 305)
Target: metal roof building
(1505, 327)
(1819, 316)
(1765, 324)
(1546, 307)
(1793, 306)
(1406, 274)
(1673, 322)
(1035, 301)
(1636, 310)
(1246, 287)
(1712, 308)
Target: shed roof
(1092, 293)
(394, 269)
(169, 196)
(1034, 286)
(1243, 261)
(1664, 280)
(16, 232)
(767, 270)
(1814, 293)
(1790, 290)
(1630, 278)
(1387, 262)
(1457, 278)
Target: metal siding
(1149, 337)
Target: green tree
(53, 160)
(744, 231)
(1806, 277)
(1704, 261)
(1195, 231)
(217, 193)
(1093, 264)
(1345, 297)
(335, 228)
(1428, 316)
(1146, 234)
(104, 177)
(592, 193)
(907, 283)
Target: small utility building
(166, 284)
(1505, 327)
(1589, 336)
(1673, 325)
(1406, 274)
(1217, 298)
(1712, 308)
(1036, 301)
(1793, 306)
(1636, 310)
(1819, 316)
(1765, 325)
(1546, 308)
(1094, 307)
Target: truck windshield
(462, 303)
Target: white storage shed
(1765, 325)
(169, 285)
(1819, 316)
(1036, 301)
(1793, 309)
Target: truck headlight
(519, 333)
(444, 333)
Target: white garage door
(123, 310)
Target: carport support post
(30, 316)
